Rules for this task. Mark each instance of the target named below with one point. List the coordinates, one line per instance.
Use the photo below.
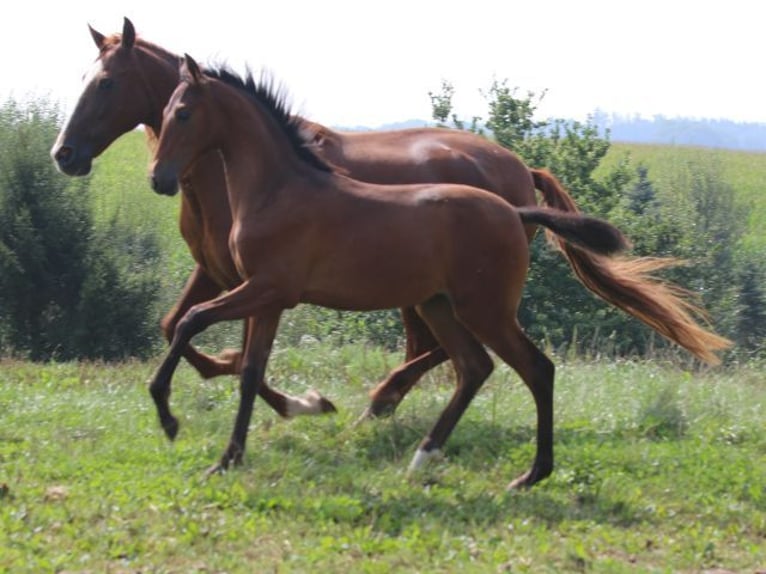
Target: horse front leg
(260, 337)
(199, 288)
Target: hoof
(231, 457)
(311, 403)
(364, 417)
(530, 478)
(170, 427)
(421, 458)
(381, 409)
(326, 406)
(214, 470)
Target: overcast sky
(370, 63)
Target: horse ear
(190, 71)
(128, 35)
(98, 37)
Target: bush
(64, 287)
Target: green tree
(702, 224)
(66, 290)
(441, 110)
(751, 316)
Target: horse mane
(274, 99)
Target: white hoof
(421, 458)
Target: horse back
(432, 155)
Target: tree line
(72, 289)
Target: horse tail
(628, 284)
(586, 232)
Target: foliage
(89, 484)
(691, 215)
(64, 285)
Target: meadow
(659, 469)
(661, 465)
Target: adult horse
(303, 233)
(130, 84)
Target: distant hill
(406, 124)
(721, 134)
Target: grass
(658, 470)
(743, 171)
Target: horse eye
(105, 83)
(182, 114)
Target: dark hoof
(232, 457)
(170, 427)
(215, 469)
(381, 410)
(529, 479)
(326, 407)
(375, 411)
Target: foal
(302, 233)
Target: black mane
(274, 99)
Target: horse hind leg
(259, 340)
(506, 338)
(472, 364)
(423, 354)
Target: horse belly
(378, 282)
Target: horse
(130, 84)
(303, 232)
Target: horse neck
(158, 69)
(258, 157)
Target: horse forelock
(273, 98)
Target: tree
(56, 269)
(751, 316)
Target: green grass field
(658, 470)
(744, 172)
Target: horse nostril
(64, 155)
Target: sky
(369, 63)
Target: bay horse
(130, 84)
(302, 232)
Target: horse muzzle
(71, 161)
(163, 182)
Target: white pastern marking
(421, 458)
(309, 404)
